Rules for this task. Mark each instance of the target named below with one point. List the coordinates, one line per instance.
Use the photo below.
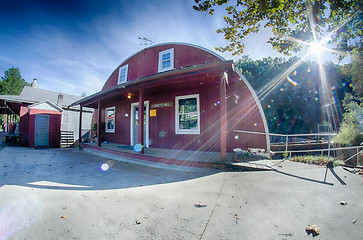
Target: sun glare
(316, 47)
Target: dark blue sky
(73, 46)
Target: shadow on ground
(72, 169)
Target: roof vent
(34, 83)
(60, 100)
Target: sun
(316, 47)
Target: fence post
(287, 142)
(357, 156)
(328, 149)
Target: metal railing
(85, 133)
(322, 150)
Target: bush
(317, 160)
(350, 132)
(349, 135)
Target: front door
(135, 123)
(41, 131)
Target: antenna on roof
(146, 41)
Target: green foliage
(290, 20)
(350, 133)
(317, 160)
(103, 125)
(353, 73)
(294, 106)
(12, 83)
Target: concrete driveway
(64, 194)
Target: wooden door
(41, 131)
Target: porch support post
(80, 126)
(5, 119)
(141, 120)
(7, 122)
(99, 124)
(223, 116)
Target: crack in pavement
(210, 216)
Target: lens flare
(294, 83)
(138, 147)
(105, 167)
(18, 215)
(162, 134)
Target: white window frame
(114, 120)
(126, 67)
(186, 131)
(171, 51)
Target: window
(122, 74)
(187, 114)
(166, 60)
(110, 120)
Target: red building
(40, 123)
(38, 117)
(193, 99)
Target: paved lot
(64, 194)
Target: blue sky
(72, 46)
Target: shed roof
(36, 95)
(31, 95)
(47, 105)
(40, 95)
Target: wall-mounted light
(129, 95)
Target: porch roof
(156, 80)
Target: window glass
(110, 119)
(166, 60)
(122, 74)
(188, 121)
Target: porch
(159, 157)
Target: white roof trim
(49, 103)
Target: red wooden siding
(146, 62)
(164, 121)
(242, 109)
(55, 119)
(243, 114)
(24, 125)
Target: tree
(12, 83)
(293, 106)
(350, 132)
(292, 22)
